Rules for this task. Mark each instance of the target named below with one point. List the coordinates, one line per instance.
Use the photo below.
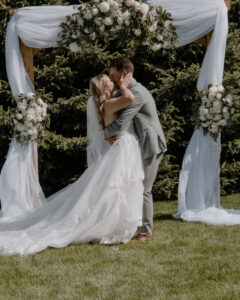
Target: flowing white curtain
(38, 27)
(199, 185)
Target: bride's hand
(125, 81)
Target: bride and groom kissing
(113, 197)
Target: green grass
(183, 261)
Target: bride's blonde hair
(98, 86)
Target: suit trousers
(150, 170)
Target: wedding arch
(34, 28)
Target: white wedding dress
(104, 205)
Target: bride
(105, 204)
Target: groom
(143, 112)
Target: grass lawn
(183, 261)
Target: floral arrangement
(215, 110)
(124, 24)
(30, 118)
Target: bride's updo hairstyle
(98, 86)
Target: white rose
(104, 7)
(144, 8)
(156, 47)
(118, 28)
(102, 28)
(95, 11)
(74, 47)
(15, 121)
(225, 110)
(79, 21)
(30, 95)
(137, 6)
(110, 2)
(219, 96)
(108, 21)
(93, 36)
(226, 115)
(203, 111)
(130, 2)
(120, 20)
(209, 116)
(31, 111)
(98, 21)
(217, 105)
(20, 127)
(213, 129)
(202, 118)
(166, 45)
(166, 24)
(39, 119)
(21, 107)
(222, 122)
(213, 90)
(220, 89)
(159, 37)
(88, 16)
(232, 111)
(146, 43)
(74, 36)
(126, 15)
(137, 32)
(35, 131)
(30, 132)
(127, 22)
(229, 100)
(40, 101)
(86, 30)
(19, 116)
(206, 124)
(115, 5)
(217, 118)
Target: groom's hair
(122, 64)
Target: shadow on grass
(164, 217)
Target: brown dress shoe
(142, 238)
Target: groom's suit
(143, 112)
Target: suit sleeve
(124, 117)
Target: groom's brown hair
(122, 64)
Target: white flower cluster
(31, 114)
(216, 109)
(120, 20)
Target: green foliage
(63, 78)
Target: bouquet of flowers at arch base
(215, 110)
(122, 24)
(30, 118)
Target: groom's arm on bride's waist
(125, 117)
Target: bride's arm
(115, 104)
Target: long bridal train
(104, 205)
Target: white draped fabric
(39, 26)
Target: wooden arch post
(27, 54)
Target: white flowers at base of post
(215, 110)
(30, 118)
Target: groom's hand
(112, 140)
